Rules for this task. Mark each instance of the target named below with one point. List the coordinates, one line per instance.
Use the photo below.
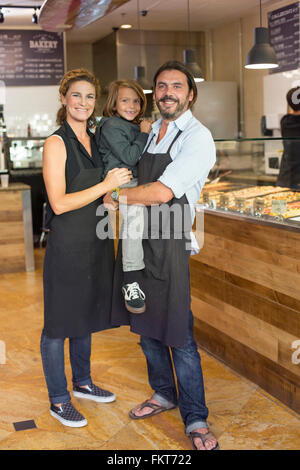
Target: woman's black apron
(78, 266)
(165, 279)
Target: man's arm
(146, 194)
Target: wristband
(115, 194)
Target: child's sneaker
(68, 415)
(134, 298)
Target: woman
(78, 267)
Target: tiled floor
(242, 416)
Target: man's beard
(178, 110)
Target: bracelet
(115, 194)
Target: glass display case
(25, 153)
(256, 179)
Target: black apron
(78, 266)
(166, 278)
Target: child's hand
(146, 126)
(109, 203)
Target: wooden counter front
(246, 300)
(16, 239)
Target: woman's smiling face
(79, 100)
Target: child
(121, 138)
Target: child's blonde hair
(109, 109)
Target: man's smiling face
(172, 94)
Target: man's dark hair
(175, 65)
(293, 98)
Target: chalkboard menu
(284, 36)
(31, 58)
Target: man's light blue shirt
(193, 154)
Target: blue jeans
(132, 233)
(52, 351)
(187, 364)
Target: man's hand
(109, 203)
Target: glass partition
(257, 178)
(25, 153)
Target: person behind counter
(78, 267)
(289, 174)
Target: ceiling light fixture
(262, 55)
(139, 70)
(126, 26)
(189, 55)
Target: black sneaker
(134, 298)
(68, 415)
(93, 393)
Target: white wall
(216, 107)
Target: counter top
(265, 220)
(250, 176)
(15, 187)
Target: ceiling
(161, 15)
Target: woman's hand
(117, 177)
(146, 126)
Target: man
(172, 171)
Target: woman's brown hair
(109, 109)
(70, 77)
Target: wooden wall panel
(245, 287)
(12, 248)
(269, 375)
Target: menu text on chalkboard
(284, 36)
(31, 58)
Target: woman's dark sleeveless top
(78, 266)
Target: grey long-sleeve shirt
(120, 143)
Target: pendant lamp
(262, 55)
(139, 70)
(189, 55)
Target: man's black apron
(165, 279)
(78, 267)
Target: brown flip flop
(204, 437)
(156, 410)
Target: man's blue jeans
(52, 351)
(187, 364)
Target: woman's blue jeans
(187, 364)
(52, 351)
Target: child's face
(128, 104)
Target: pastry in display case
(241, 184)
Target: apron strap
(170, 146)
(146, 149)
(173, 141)
(75, 150)
(76, 153)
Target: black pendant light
(262, 55)
(189, 55)
(139, 70)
